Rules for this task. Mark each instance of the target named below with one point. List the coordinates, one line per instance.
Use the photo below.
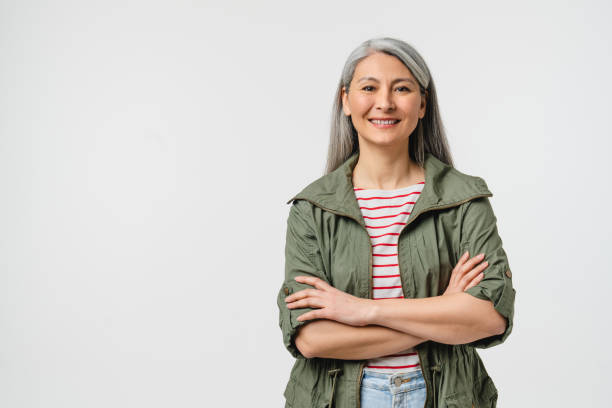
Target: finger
(475, 281)
(462, 260)
(472, 262)
(301, 294)
(474, 272)
(313, 314)
(314, 281)
(457, 269)
(308, 302)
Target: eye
(368, 88)
(404, 88)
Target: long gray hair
(429, 135)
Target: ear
(345, 104)
(423, 105)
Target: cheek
(410, 106)
(360, 105)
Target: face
(383, 88)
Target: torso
(385, 213)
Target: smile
(384, 123)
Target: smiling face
(383, 88)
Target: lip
(380, 126)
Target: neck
(386, 169)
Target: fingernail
(481, 255)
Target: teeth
(384, 122)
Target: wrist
(372, 311)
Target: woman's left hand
(329, 303)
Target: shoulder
(300, 209)
(301, 217)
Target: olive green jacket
(327, 238)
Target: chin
(384, 141)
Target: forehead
(381, 66)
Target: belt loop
(333, 372)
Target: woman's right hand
(466, 274)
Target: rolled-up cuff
(288, 318)
(501, 293)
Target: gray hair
(429, 135)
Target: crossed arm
(343, 326)
(348, 327)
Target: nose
(384, 100)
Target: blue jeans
(403, 390)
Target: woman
(382, 305)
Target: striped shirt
(385, 213)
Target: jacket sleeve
(302, 257)
(479, 235)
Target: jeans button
(398, 381)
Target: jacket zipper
(419, 351)
(362, 364)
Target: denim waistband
(378, 374)
(393, 382)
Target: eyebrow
(392, 82)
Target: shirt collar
(444, 187)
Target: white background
(147, 150)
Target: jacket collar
(444, 187)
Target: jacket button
(508, 273)
(286, 290)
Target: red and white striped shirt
(385, 213)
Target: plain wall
(148, 148)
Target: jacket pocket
(459, 400)
(484, 395)
(298, 396)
